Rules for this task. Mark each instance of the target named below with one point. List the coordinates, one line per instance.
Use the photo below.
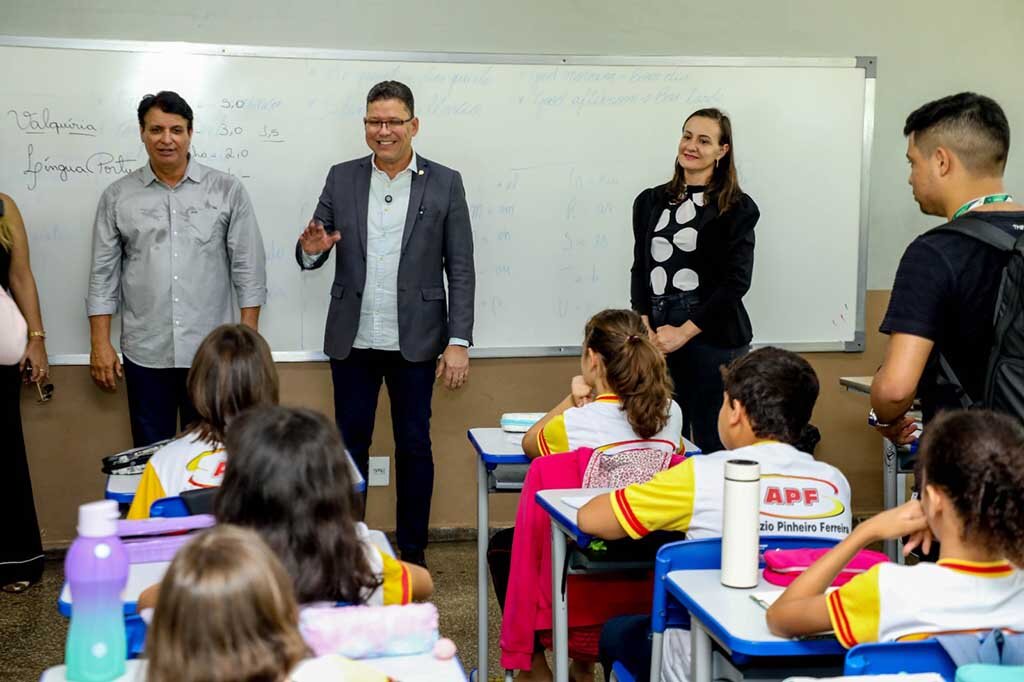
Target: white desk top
(739, 615)
(134, 671)
(497, 442)
(140, 576)
(732, 608)
(564, 513)
(406, 668)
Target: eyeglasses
(45, 392)
(390, 124)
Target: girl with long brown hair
(693, 258)
(289, 481)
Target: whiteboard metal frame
(868, 63)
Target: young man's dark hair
(777, 388)
(168, 102)
(971, 125)
(392, 90)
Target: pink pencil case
(783, 566)
(370, 631)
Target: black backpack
(1004, 377)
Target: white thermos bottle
(741, 519)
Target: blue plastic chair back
(168, 507)
(621, 673)
(705, 554)
(926, 656)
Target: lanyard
(975, 203)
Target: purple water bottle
(96, 569)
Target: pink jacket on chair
(593, 599)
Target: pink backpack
(624, 467)
(782, 566)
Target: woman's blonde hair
(634, 368)
(226, 613)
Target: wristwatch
(40, 334)
(873, 420)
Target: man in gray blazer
(400, 223)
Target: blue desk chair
(189, 503)
(926, 656)
(168, 508)
(704, 554)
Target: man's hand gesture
(315, 239)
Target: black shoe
(415, 556)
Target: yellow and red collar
(983, 569)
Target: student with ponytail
(621, 403)
(624, 393)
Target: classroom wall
(926, 48)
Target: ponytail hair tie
(634, 338)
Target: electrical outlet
(380, 471)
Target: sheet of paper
(577, 501)
(767, 598)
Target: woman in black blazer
(693, 256)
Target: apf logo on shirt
(207, 468)
(800, 503)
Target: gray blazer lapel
(362, 198)
(419, 185)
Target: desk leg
(889, 492)
(482, 533)
(657, 645)
(559, 605)
(700, 652)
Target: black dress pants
(695, 372)
(357, 381)
(21, 549)
(156, 399)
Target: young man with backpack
(947, 346)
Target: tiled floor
(32, 633)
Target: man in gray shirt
(171, 242)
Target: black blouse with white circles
(674, 245)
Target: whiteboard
(552, 150)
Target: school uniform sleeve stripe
(625, 516)
(840, 623)
(397, 583)
(666, 502)
(855, 609)
(553, 437)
